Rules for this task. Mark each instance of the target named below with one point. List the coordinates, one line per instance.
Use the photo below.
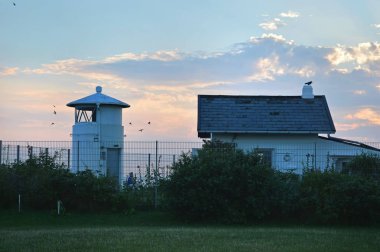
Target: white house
(284, 129)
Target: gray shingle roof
(263, 114)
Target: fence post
(30, 152)
(19, 203)
(68, 158)
(148, 171)
(18, 154)
(155, 177)
(315, 156)
(1, 151)
(46, 153)
(170, 171)
(78, 156)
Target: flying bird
(148, 122)
(308, 83)
(14, 4)
(52, 123)
(141, 130)
(130, 123)
(55, 112)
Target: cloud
(362, 54)
(272, 25)
(346, 126)
(377, 26)
(269, 36)
(360, 92)
(290, 14)
(340, 70)
(7, 71)
(366, 114)
(259, 59)
(164, 84)
(159, 55)
(267, 69)
(276, 23)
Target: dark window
(85, 114)
(265, 155)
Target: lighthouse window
(85, 114)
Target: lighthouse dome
(98, 99)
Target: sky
(158, 56)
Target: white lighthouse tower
(98, 133)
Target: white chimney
(307, 92)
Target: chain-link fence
(155, 158)
(142, 158)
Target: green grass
(159, 232)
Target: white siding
(92, 139)
(293, 152)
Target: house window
(345, 165)
(265, 155)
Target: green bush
(8, 192)
(330, 197)
(222, 183)
(41, 182)
(31, 179)
(286, 206)
(90, 193)
(228, 185)
(367, 165)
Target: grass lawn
(158, 232)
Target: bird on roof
(141, 130)
(308, 83)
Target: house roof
(97, 98)
(263, 114)
(350, 142)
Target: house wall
(294, 152)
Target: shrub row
(220, 183)
(223, 184)
(41, 182)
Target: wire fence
(119, 159)
(155, 158)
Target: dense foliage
(41, 182)
(367, 165)
(222, 183)
(331, 197)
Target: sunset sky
(158, 56)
